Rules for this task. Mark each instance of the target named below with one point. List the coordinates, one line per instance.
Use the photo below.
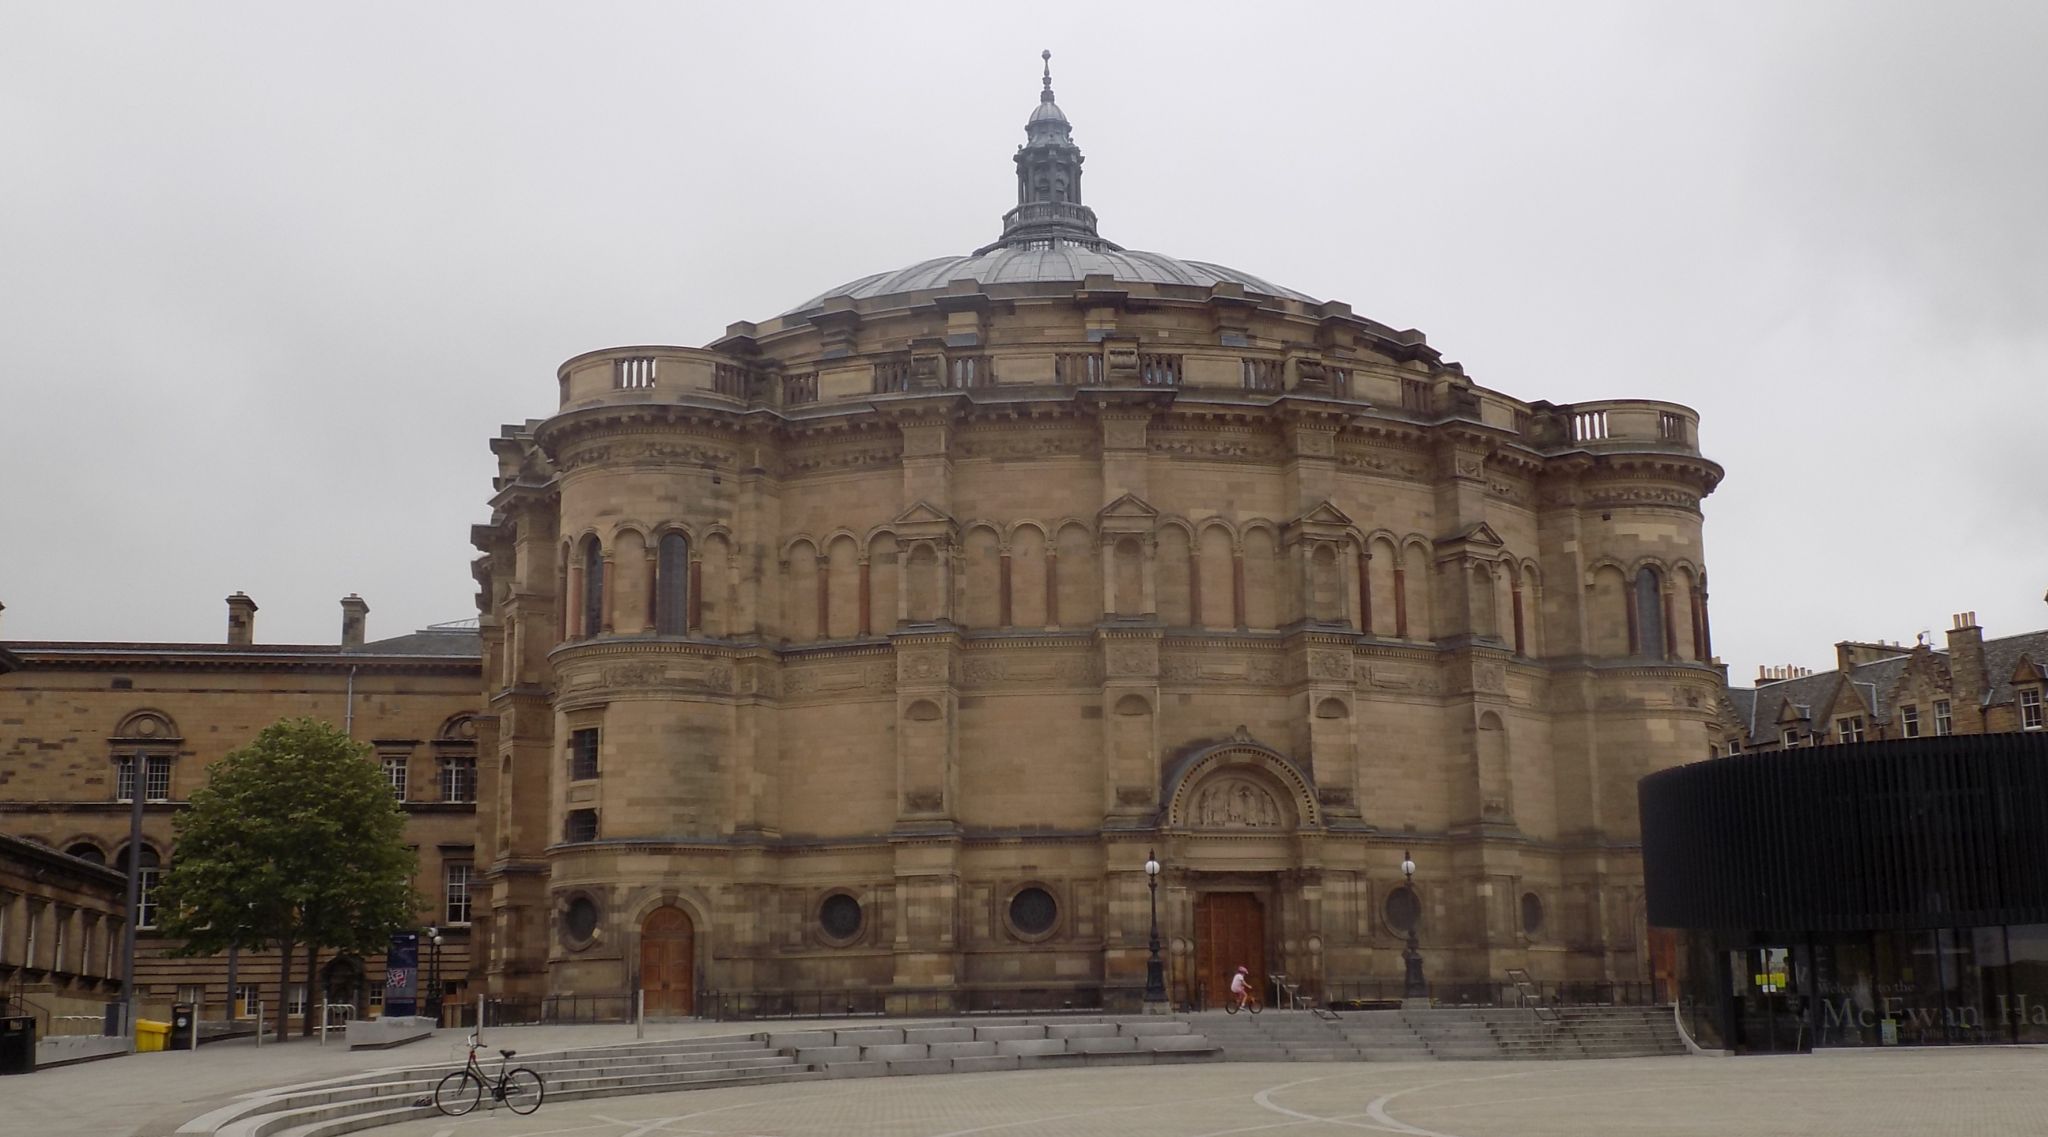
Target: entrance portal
(1230, 929)
(668, 955)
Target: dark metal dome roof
(1050, 237)
(1062, 263)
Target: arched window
(1650, 613)
(672, 585)
(87, 851)
(593, 587)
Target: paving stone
(931, 1034)
(1007, 1033)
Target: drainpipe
(348, 714)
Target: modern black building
(1883, 893)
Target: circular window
(1532, 913)
(1402, 909)
(840, 917)
(1033, 912)
(580, 920)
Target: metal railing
(878, 1002)
(553, 1010)
(1492, 993)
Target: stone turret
(1049, 210)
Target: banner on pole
(402, 975)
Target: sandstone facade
(875, 645)
(72, 713)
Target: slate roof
(2002, 656)
(1877, 682)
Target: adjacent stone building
(875, 644)
(1881, 690)
(79, 719)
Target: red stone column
(1365, 592)
(1237, 588)
(1515, 592)
(867, 602)
(1003, 590)
(1052, 588)
(693, 618)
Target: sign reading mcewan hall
(876, 643)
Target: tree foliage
(294, 840)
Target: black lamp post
(434, 972)
(1416, 987)
(1155, 971)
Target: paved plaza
(1975, 1091)
(1864, 1093)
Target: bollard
(259, 1023)
(639, 1013)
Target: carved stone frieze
(1329, 665)
(1238, 446)
(840, 457)
(839, 678)
(1380, 460)
(1235, 803)
(1394, 677)
(1133, 658)
(1211, 667)
(1022, 443)
(1609, 496)
(989, 669)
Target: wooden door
(668, 960)
(1230, 929)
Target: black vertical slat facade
(1903, 834)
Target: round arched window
(840, 917)
(1532, 914)
(580, 921)
(1402, 909)
(1033, 912)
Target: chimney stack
(1966, 669)
(355, 619)
(241, 619)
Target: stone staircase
(364, 1101)
(1447, 1033)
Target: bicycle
(519, 1087)
(1251, 1003)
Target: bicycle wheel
(1230, 1006)
(523, 1090)
(458, 1093)
(1255, 1006)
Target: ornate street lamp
(434, 972)
(1416, 986)
(1155, 971)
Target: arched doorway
(1230, 930)
(341, 981)
(668, 955)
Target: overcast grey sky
(273, 274)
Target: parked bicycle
(518, 1087)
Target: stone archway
(668, 962)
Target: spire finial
(1045, 96)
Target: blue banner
(402, 975)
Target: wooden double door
(668, 963)
(1230, 930)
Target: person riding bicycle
(1241, 986)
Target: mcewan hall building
(874, 646)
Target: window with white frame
(456, 878)
(395, 768)
(35, 916)
(62, 924)
(295, 999)
(1734, 747)
(1789, 738)
(145, 899)
(2030, 708)
(1943, 723)
(458, 779)
(249, 994)
(1849, 729)
(1909, 721)
(156, 778)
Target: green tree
(294, 841)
